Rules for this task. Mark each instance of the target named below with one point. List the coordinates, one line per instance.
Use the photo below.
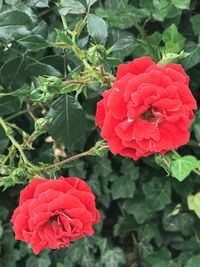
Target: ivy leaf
(195, 20)
(194, 203)
(174, 41)
(34, 42)
(113, 257)
(157, 193)
(38, 262)
(193, 262)
(69, 122)
(194, 57)
(97, 28)
(71, 7)
(123, 187)
(181, 167)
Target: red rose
(52, 213)
(147, 110)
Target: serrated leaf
(181, 167)
(39, 69)
(194, 203)
(71, 7)
(33, 42)
(123, 43)
(69, 122)
(14, 24)
(113, 257)
(97, 29)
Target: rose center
(148, 115)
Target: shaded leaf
(69, 122)
(97, 28)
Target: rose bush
(147, 110)
(52, 213)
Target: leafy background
(148, 218)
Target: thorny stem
(89, 152)
(12, 139)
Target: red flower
(52, 213)
(147, 110)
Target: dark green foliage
(56, 58)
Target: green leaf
(123, 187)
(33, 261)
(161, 258)
(12, 73)
(71, 7)
(64, 37)
(181, 221)
(194, 57)
(40, 3)
(113, 257)
(195, 20)
(125, 226)
(193, 262)
(69, 122)
(121, 44)
(194, 203)
(33, 42)
(181, 167)
(182, 4)
(9, 105)
(14, 24)
(39, 69)
(97, 28)
(157, 193)
(90, 2)
(3, 139)
(138, 208)
(174, 41)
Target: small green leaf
(64, 37)
(194, 203)
(34, 42)
(71, 7)
(174, 41)
(97, 28)
(90, 2)
(194, 57)
(181, 167)
(33, 261)
(113, 257)
(69, 122)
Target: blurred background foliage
(56, 58)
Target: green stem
(64, 22)
(12, 139)
(89, 152)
